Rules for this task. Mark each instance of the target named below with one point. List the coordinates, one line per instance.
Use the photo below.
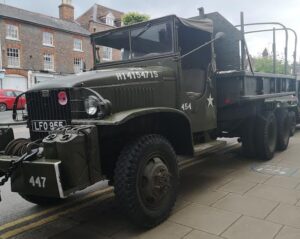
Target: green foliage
(134, 17)
(265, 64)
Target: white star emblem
(210, 101)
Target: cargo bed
(234, 87)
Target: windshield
(146, 41)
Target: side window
(195, 65)
(9, 94)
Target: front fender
(124, 116)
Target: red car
(7, 99)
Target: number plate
(47, 125)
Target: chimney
(66, 10)
(201, 12)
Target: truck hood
(105, 77)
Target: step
(204, 148)
(201, 149)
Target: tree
(134, 17)
(265, 64)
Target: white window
(107, 53)
(78, 65)
(47, 39)
(48, 62)
(110, 19)
(13, 57)
(77, 45)
(12, 32)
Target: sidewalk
(226, 197)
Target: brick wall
(32, 49)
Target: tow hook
(14, 164)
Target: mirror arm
(218, 36)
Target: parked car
(7, 99)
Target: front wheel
(146, 178)
(3, 107)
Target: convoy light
(92, 105)
(62, 98)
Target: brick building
(99, 18)
(36, 47)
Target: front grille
(43, 106)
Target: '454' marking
(186, 106)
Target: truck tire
(283, 129)
(146, 180)
(266, 135)
(248, 138)
(293, 122)
(41, 201)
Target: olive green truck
(172, 86)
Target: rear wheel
(266, 135)
(42, 201)
(293, 122)
(283, 129)
(146, 178)
(3, 107)
(248, 138)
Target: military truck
(172, 88)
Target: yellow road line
(52, 218)
(39, 214)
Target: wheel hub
(156, 181)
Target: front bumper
(40, 177)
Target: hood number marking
(137, 75)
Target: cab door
(199, 99)
(198, 94)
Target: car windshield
(146, 41)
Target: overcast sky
(284, 11)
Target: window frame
(12, 59)
(110, 20)
(10, 37)
(81, 64)
(51, 39)
(50, 63)
(81, 45)
(168, 19)
(110, 58)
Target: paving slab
(167, 230)
(250, 175)
(204, 218)
(277, 194)
(283, 181)
(195, 234)
(250, 228)
(288, 233)
(246, 205)
(286, 215)
(237, 186)
(207, 197)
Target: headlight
(92, 105)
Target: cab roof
(203, 24)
